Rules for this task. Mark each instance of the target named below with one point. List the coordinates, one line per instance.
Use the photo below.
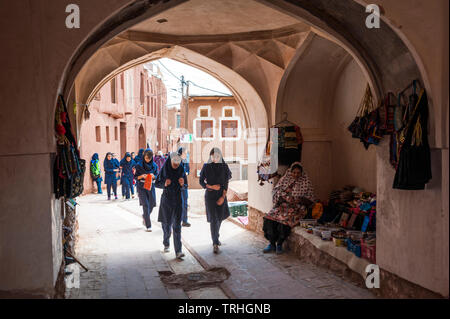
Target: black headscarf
(138, 157)
(216, 150)
(218, 171)
(124, 163)
(108, 164)
(151, 166)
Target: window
(130, 88)
(98, 134)
(116, 133)
(142, 95)
(121, 81)
(107, 134)
(148, 107)
(204, 129)
(229, 128)
(151, 105)
(204, 113)
(178, 120)
(113, 90)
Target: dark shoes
(186, 224)
(216, 249)
(270, 248)
(278, 248)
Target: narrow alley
(125, 261)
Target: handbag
(68, 168)
(359, 125)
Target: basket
(368, 252)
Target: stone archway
(340, 22)
(385, 60)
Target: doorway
(123, 138)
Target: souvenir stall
(348, 217)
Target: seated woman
(291, 197)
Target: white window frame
(204, 107)
(232, 118)
(199, 138)
(232, 108)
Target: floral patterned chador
(287, 194)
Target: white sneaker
(166, 249)
(149, 229)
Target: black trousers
(275, 232)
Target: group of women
(292, 195)
(171, 177)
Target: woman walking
(214, 177)
(95, 172)
(184, 190)
(111, 171)
(138, 158)
(127, 164)
(291, 197)
(147, 197)
(171, 179)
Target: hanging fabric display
(365, 126)
(267, 167)
(414, 162)
(290, 142)
(283, 147)
(386, 114)
(69, 168)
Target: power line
(226, 94)
(176, 77)
(201, 87)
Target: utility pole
(185, 95)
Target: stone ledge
(356, 264)
(343, 263)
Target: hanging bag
(359, 126)
(69, 168)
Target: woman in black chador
(171, 179)
(214, 177)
